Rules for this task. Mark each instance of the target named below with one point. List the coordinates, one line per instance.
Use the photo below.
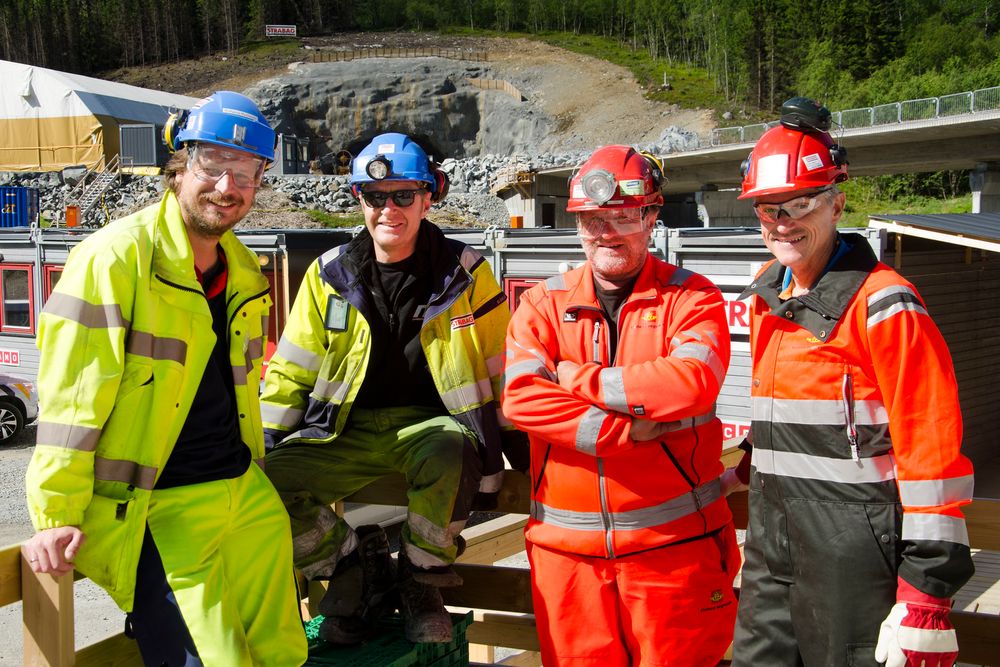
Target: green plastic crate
(390, 648)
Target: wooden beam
(494, 540)
(48, 619)
(10, 575)
(491, 587)
(116, 651)
(507, 630)
(982, 518)
(978, 637)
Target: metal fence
(928, 108)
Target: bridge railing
(928, 108)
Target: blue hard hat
(392, 157)
(229, 119)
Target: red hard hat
(616, 177)
(786, 160)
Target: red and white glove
(917, 632)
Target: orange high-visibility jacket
(595, 491)
(855, 400)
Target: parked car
(18, 406)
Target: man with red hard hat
(613, 370)
(856, 541)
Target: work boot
(425, 620)
(360, 591)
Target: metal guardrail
(928, 108)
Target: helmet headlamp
(378, 168)
(599, 186)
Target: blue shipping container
(18, 206)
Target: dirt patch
(594, 102)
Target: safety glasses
(401, 198)
(210, 163)
(793, 208)
(617, 222)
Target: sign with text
(10, 358)
(280, 30)
(734, 429)
(737, 313)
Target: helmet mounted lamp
(378, 168)
(599, 186)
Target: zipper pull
(852, 429)
(597, 340)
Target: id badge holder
(336, 313)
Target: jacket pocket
(109, 553)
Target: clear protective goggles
(616, 222)
(401, 198)
(210, 163)
(796, 208)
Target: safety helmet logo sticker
(238, 112)
(772, 171)
(630, 187)
(385, 148)
(812, 161)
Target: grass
(860, 205)
(334, 221)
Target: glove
(917, 631)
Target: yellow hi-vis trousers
(227, 554)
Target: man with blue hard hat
(391, 361)
(146, 472)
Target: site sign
(10, 358)
(280, 31)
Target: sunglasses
(210, 164)
(401, 198)
(793, 208)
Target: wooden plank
(10, 575)
(491, 587)
(48, 618)
(978, 637)
(514, 496)
(117, 651)
(982, 518)
(507, 630)
(494, 540)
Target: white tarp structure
(51, 119)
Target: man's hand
(52, 550)
(731, 482)
(917, 631)
(565, 370)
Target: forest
(756, 52)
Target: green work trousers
(437, 456)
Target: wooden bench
(500, 596)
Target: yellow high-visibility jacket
(317, 372)
(124, 340)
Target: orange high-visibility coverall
(631, 543)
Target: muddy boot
(360, 591)
(425, 620)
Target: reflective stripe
(92, 316)
(431, 532)
(144, 344)
(304, 544)
(529, 367)
(613, 388)
(647, 517)
(555, 283)
(702, 353)
(240, 374)
(299, 356)
(468, 395)
(255, 347)
(129, 472)
(934, 527)
(817, 412)
(70, 436)
(845, 471)
(935, 492)
(470, 258)
(886, 292)
(589, 430)
(690, 422)
(898, 308)
(494, 365)
(334, 391)
(423, 559)
(280, 415)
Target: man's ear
(839, 202)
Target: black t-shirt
(398, 374)
(611, 301)
(209, 446)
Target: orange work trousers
(669, 606)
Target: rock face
(342, 105)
